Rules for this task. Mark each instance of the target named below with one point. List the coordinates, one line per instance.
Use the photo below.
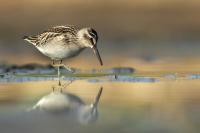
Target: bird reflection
(69, 105)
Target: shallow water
(165, 106)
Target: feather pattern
(61, 42)
(67, 33)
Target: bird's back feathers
(51, 33)
(31, 39)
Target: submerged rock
(121, 70)
(170, 76)
(125, 78)
(193, 76)
(31, 68)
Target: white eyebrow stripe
(94, 35)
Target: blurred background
(147, 35)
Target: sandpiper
(68, 104)
(61, 42)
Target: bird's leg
(53, 63)
(66, 67)
(59, 83)
(61, 65)
(60, 62)
(58, 71)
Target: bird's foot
(62, 65)
(61, 86)
(68, 68)
(55, 88)
(59, 83)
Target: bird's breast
(60, 50)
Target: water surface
(166, 106)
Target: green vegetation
(78, 75)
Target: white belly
(58, 51)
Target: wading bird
(68, 105)
(62, 42)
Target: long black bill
(98, 97)
(97, 100)
(96, 52)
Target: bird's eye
(91, 39)
(92, 34)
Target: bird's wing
(48, 36)
(60, 32)
(64, 29)
(41, 38)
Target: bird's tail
(32, 108)
(31, 39)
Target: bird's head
(88, 38)
(89, 113)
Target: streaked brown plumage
(61, 42)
